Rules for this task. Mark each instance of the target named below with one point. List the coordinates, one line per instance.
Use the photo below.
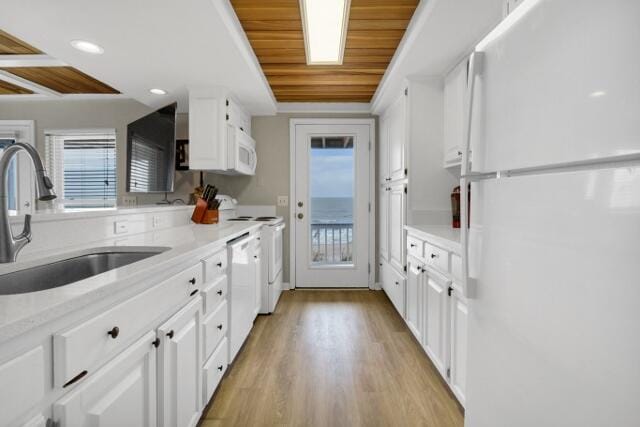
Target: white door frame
(372, 189)
(25, 129)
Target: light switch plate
(283, 201)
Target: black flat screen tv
(151, 152)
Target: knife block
(202, 215)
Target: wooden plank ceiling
(274, 29)
(64, 80)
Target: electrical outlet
(283, 201)
(129, 201)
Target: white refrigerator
(553, 250)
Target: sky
(332, 172)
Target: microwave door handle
(254, 158)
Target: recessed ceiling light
(157, 91)
(325, 29)
(87, 47)
(597, 94)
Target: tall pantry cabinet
(413, 187)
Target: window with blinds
(82, 166)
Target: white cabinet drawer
(394, 286)
(82, 349)
(456, 267)
(214, 369)
(436, 258)
(22, 385)
(215, 328)
(215, 266)
(415, 247)
(214, 294)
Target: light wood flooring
(332, 358)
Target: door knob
(300, 204)
(300, 216)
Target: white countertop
(22, 312)
(444, 236)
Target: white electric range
(271, 246)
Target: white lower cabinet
(414, 305)
(393, 284)
(121, 393)
(436, 311)
(436, 303)
(397, 218)
(22, 384)
(180, 366)
(459, 319)
(257, 269)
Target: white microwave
(241, 152)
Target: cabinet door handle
(75, 379)
(114, 332)
(220, 326)
(459, 153)
(220, 368)
(192, 280)
(193, 293)
(219, 264)
(170, 334)
(413, 245)
(219, 292)
(397, 283)
(434, 256)
(255, 256)
(156, 342)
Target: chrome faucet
(10, 245)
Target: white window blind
(82, 166)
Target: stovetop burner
(265, 218)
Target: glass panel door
(331, 205)
(331, 178)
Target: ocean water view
(332, 210)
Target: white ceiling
(168, 44)
(441, 32)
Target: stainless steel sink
(73, 269)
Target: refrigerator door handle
(476, 62)
(468, 283)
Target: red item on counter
(455, 207)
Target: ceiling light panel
(324, 24)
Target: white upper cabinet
(383, 150)
(122, 393)
(212, 147)
(455, 87)
(180, 367)
(396, 122)
(383, 225)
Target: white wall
(112, 113)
